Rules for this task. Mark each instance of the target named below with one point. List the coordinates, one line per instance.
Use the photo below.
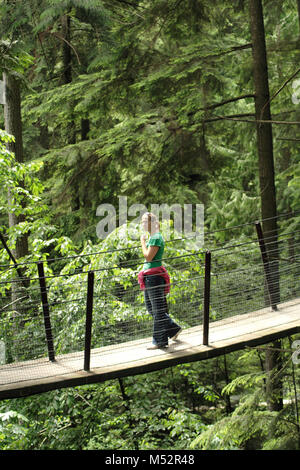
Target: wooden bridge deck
(131, 358)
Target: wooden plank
(132, 358)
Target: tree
(266, 177)
(13, 126)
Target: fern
(246, 423)
(244, 381)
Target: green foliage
(99, 417)
(172, 409)
(251, 425)
(14, 429)
(26, 188)
(13, 58)
(161, 86)
(233, 432)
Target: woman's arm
(149, 252)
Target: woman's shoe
(156, 346)
(176, 335)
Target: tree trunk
(266, 177)
(85, 128)
(67, 54)
(298, 6)
(13, 126)
(71, 126)
(67, 71)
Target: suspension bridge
(81, 319)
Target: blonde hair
(152, 219)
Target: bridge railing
(98, 302)
(251, 275)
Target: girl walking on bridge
(155, 281)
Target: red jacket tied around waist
(161, 271)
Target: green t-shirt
(155, 240)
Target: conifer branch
(231, 100)
(281, 88)
(264, 121)
(231, 117)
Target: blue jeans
(155, 299)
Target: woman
(155, 279)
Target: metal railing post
(206, 297)
(265, 260)
(46, 313)
(88, 321)
(13, 260)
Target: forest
(159, 102)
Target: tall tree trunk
(13, 126)
(298, 6)
(267, 180)
(67, 53)
(67, 70)
(85, 128)
(67, 78)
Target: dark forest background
(162, 101)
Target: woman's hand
(149, 252)
(143, 238)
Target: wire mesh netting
(239, 281)
(119, 312)
(238, 286)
